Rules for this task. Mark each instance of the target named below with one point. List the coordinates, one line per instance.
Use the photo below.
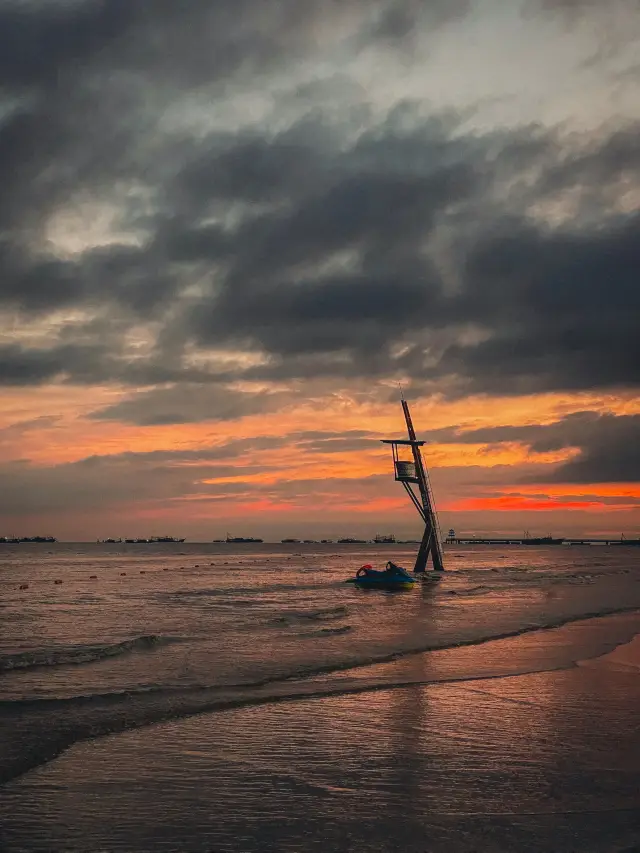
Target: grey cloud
(521, 283)
(560, 307)
(331, 442)
(327, 266)
(37, 41)
(225, 451)
(19, 428)
(309, 317)
(609, 445)
(40, 39)
(611, 454)
(251, 168)
(101, 482)
(185, 403)
(20, 366)
(598, 165)
(94, 362)
(539, 295)
(37, 285)
(580, 7)
(83, 71)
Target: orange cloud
(628, 490)
(75, 436)
(295, 481)
(516, 503)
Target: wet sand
(545, 761)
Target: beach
(260, 703)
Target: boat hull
(375, 583)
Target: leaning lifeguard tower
(414, 472)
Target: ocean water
(243, 697)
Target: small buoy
(123, 574)
(93, 577)
(58, 581)
(165, 569)
(212, 564)
(24, 586)
(197, 566)
(142, 572)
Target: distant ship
(350, 541)
(165, 539)
(385, 540)
(136, 541)
(542, 540)
(236, 539)
(291, 541)
(109, 541)
(15, 540)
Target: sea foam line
(75, 655)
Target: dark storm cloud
(609, 445)
(38, 40)
(363, 206)
(557, 311)
(377, 204)
(19, 366)
(555, 306)
(307, 248)
(611, 453)
(96, 362)
(84, 85)
(38, 285)
(561, 307)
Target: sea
(203, 698)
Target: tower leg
(436, 555)
(423, 551)
(428, 546)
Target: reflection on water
(542, 762)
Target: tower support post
(430, 544)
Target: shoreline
(94, 721)
(542, 760)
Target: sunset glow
(218, 275)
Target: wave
(49, 726)
(307, 673)
(327, 632)
(471, 591)
(182, 595)
(325, 614)
(75, 655)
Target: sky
(230, 232)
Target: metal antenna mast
(416, 472)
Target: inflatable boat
(392, 577)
